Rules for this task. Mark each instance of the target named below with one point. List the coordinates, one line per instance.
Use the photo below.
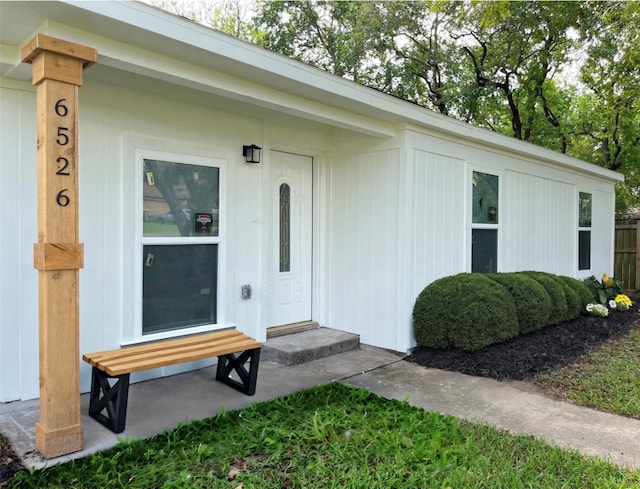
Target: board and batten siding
(435, 227)
(538, 225)
(363, 271)
(438, 224)
(603, 232)
(538, 217)
(18, 233)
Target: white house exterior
(360, 199)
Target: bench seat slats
(211, 349)
(171, 352)
(160, 345)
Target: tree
(230, 16)
(607, 114)
(612, 75)
(334, 36)
(499, 65)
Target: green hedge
(471, 310)
(573, 299)
(580, 288)
(559, 310)
(531, 300)
(468, 311)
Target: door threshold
(292, 328)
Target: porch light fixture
(251, 153)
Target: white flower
(597, 310)
(612, 304)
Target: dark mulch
(528, 355)
(10, 463)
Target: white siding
(18, 232)
(364, 246)
(538, 225)
(435, 227)
(438, 243)
(114, 123)
(602, 233)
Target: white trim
(132, 331)
(471, 225)
(585, 271)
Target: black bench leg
(248, 379)
(109, 398)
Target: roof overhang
(135, 38)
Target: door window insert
(285, 228)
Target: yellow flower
(624, 299)
(606, 280)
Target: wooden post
(58, 256)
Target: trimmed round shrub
(559, 309)
(573, 299)
(586, 297)
(468, 311)
(531, 300)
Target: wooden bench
(108, 401)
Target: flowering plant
(622, 302)
(605, 289)
(597, 310)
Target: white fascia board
(463, 133)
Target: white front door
(290, 231)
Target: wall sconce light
(251, 153)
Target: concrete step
(305, 346)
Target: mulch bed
(10, 463)
(524, 357)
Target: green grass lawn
(607, 379)
(333, 436)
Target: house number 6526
(62, 163)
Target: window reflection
(180, 199)
(179, 286)
(485, 198)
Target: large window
(584, 230)
(180, 243)
(484, 227)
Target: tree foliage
(563, 75)
(232, 17)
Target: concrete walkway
(157, 405)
